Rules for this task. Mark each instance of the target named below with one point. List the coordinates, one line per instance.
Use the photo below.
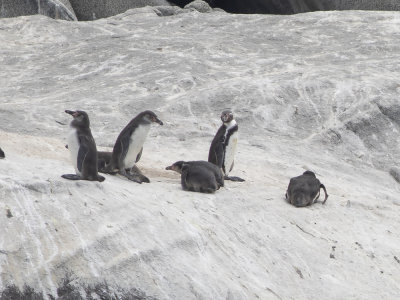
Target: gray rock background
(314, 91)
(57, 9)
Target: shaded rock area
(297, 6)
(56, 9)
(87, 10)
(74, 289)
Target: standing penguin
(82, 148)
(128, 148)
(2, 155)
(304, 190)
(223, 146)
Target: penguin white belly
(73, 147)
(230, 151)
(136, 142)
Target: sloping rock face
(87, 10)
(57, 9)
(313, 91)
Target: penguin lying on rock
(304, 190)
(223, 146)
(82, 148)
(2, 155)
(128, 148)
(198, 176)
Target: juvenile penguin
(82, 148)
(128, 148)
(198, 176)
(2, 155)
(223, 146)
(219, 177)
(304, 190)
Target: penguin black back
(198, 176)
(304, 190)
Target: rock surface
(314, 91)
(57, 9)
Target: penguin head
(309, 173)
(81, 118)
(149, 117)
(177, 166)
(226, 116)
(300, 200)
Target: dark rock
(56, 9)
(297, 6)
(395, 172)
(164, 11)
(200, 6)
(87, 10)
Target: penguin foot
(71, 177)
(207, 190)
(139, 178)
(135, 171)
(100, 178)
(234, 178)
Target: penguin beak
(157, 120)
(168, 168)
(72, 113)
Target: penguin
(219, 177)
(82, 148)
(304, 190)
(198, 176)
(223, 146)
(128, 148)
(2, 155)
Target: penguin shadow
(2, 155)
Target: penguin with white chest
(82, 148)
(223, 146)
(128, 148)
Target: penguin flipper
(71, 177)
(217, 155)
(83, 150)
(234, 178)
(139, 155)
(124, 142)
